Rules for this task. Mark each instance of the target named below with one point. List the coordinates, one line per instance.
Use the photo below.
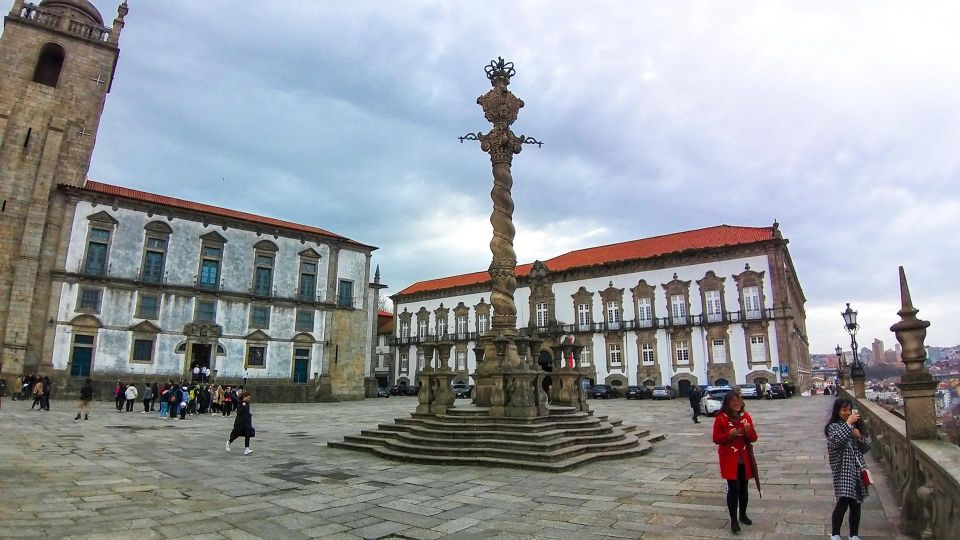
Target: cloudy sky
(839, 120)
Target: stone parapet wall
(925, 473)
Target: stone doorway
(200, 355)
(683, 387)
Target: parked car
(405, 390)
(712, 399)
(604, 391)
(461, 390)
(662, 392)
(748, 391)
(382, 392)
(778, 391)
(639, 392)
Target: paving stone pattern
(132, 475)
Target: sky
(840, 120)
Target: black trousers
(129, 407)
(738, 494)
(840, 509)
(696, 412)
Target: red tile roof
(644, 248)
(127, 193)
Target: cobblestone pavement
(135, 475)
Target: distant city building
(709, 306)
(877, 351)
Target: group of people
(178, 400)
(37, 387)
(846, 439)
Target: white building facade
(154, 286)
(713, 306)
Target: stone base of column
(443, 397)
(919, 410)
(567, 389)
(859, 389)
(425, 396)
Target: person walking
(164, 400)
(119, 395)
(733, 429)
(147, 397)
(695, 397)
(37, 394)
(156, 394)
(846, 444)
(130, 394)
(47, 390)
(243, 425)
(86, 396)
(217, 398)
(184, 401)
(227, 401)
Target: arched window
(49, 65)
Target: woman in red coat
(732, 428)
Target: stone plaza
(134, 475)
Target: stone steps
(560, 440)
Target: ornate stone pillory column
(505, 382)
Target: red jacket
(731, 449)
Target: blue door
(301, 365)
(82, 356)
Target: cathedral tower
(57, 61)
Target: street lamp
(850, 323)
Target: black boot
(734, 524)
(77, 417)
(86, 417)
(745, 520)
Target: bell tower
(57, 60)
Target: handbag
(865, 477)
(251, 432)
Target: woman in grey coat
(846, 444)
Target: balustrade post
(917, 386)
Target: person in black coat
(695, 397)
(243, 425)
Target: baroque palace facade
(108, 282)
(720, 305)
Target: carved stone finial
(122, 10)
(500, 69)
(910, 331)
(675, 276)
(746, 266)
(376, 275)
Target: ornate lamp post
(841, 368)
(856, 367)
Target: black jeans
(129, 407)
(738, 494)
(246, 440)
(840, 509)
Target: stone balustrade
(37, 15)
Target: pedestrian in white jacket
(131, 394)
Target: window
(482, 323)
(714, 313)
(644, 312)
(304, 320)
(751, 302)
(89, 299)
(461, 360)
(758, 349)
(585, 357)
(142, 350)
(422, 328)
(381, 362)
(206, 310)
(419, 359)
(683, 353)
(647, 354)
(583, 316)
(441, 327)
(404, 362)
(153, 260)
(260, 317)
(462, 326)
(404, 329)
(263, 275)
(308, 281)
(256, 356)
(148, 306)
(345, 294)
(542, 314)
(613, 314)
(678, 303)
(49, 65)
(719, 347)
(98, 242)
(210, 267)
(615, 355)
